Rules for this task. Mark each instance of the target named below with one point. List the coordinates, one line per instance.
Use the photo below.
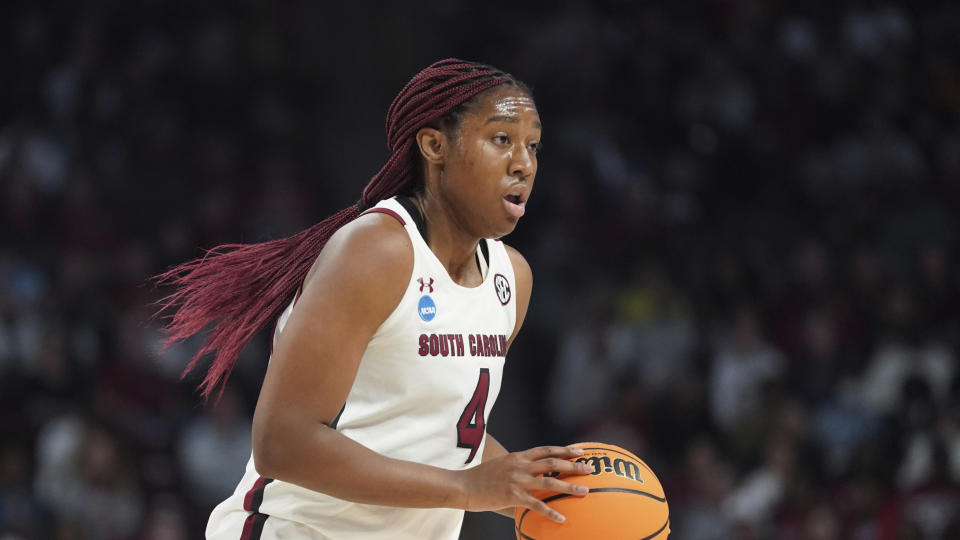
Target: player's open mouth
(515, 204)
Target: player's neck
(453, 246)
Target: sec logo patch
(502, 286)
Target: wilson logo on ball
(603, 465)
(619, 467)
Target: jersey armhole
(387, 211)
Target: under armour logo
(428, 285)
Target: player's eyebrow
(509, 118)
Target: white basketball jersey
(423, 392)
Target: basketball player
(371, 422)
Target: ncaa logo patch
(503, 288)
(426, 308)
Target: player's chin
(506, 227)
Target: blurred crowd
(743, 236)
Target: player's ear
(433, 144)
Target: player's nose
(522, 165)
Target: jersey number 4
(471, 427)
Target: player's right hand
(507, 481)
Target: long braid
(238, 289)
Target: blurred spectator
(894, 361)
(654, 334)
(744, 363)
(751, 505)
(584, 376)
(21, 514)
(84, 476)
(214, 448)
(697, 497)
(166, 520)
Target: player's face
(488, 174)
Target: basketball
(625, 501)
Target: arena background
(743, 236)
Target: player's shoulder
(521, 268)
(372, 243)
(385, 229)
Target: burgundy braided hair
(237, 289)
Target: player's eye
(501, 139)
(536, 147)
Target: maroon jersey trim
(253, 526)
(386, 211)
(254, 497)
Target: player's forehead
(505, 104)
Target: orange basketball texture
(625, 501)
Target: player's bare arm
(354, 285)
(493, 450)
(524, 280)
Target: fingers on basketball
(625, 500)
